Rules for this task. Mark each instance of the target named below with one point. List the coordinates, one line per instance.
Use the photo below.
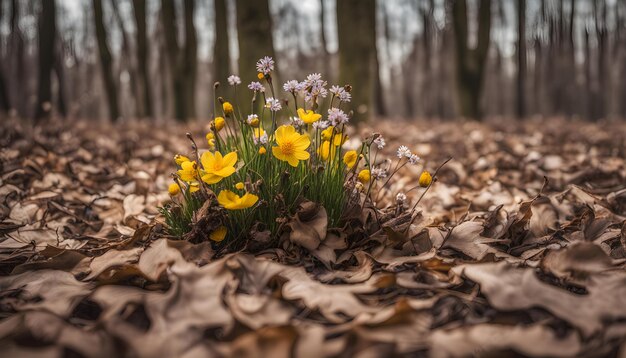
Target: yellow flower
(291, 145)
(350, 158)
(254, 122)
(327, 151)
(188, 171)
(425, 179)
(309, 116)
(327, 133)
(219, 234)
(194, 186)
(173, 189)
(260, 76)
(210, 138)
(218, 123)
(228, 108)
(239, 186)
(262, 150)
(180, 159)
(338, 138)
(364, 176)
(217, 167)
(232, 201)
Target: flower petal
(207, 159)
(230, 159)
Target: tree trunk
(144, 102)
(357, 54)
(181, 59)
(470, 63)
(5, 106)
(60, 73)
(254, 31)
(190, 60)
(521, 58)
(105, 61)
(324, 42)
(47, 37)
(16, 47)
(221, 55)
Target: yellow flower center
(287, 148)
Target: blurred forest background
(123, 59)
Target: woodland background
(123, 59)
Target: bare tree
(106, 61)
(470, 62)
(356, 29)
(4, 98)
(521, 58)
(144, 102)
(254, 31)
(47, 40)
(181, 59)
(221, 55)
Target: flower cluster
(257, 168)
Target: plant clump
(269, 167)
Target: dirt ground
(519, 250)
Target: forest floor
(502, 261)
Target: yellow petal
(230, 159)
(219, 234)
(207, 159)
(302, 155)
(210, 178)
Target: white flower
(251, 117)
(314, 80)
(291, 86)
(413, 159)
(401, 197)
(336, 90)
(336, 116)
(321, 125)
(273, 104)
(234, 80)
(297, 122)
(256, 86)
(380, 142)
(265, 65)
(341, 93)
(263, 139)
(379, 173)
(403, 151)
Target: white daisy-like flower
(291, 86)
(251, 117)
(336, 116)
(296, 122)
(265, 65)
(273, 104)
(345, 96)
(256, 86)
(336, 90)
(414, 158)
(380, 142)
(401, 197)
(314, 80)
(234, 80)
(321, 125)
(403, 151)
(379, 173)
